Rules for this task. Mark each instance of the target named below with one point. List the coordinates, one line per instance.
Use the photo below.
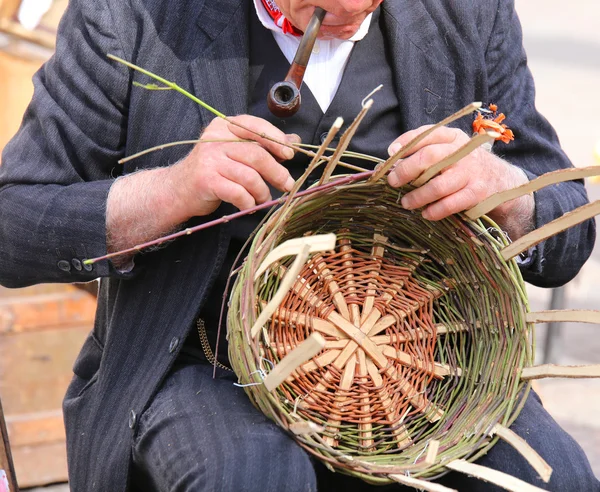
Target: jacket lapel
(220, 73)
(424, 81)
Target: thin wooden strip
(400, 432)
(534, 185)
(284, 287)
(554, 371)
(341, 396)
(389, 164)
(344, 142)
(305, 428)
(334, 289)
(410, 361)
(507, 482)
(381, 325)
(475, 142)
(567, 315)
(377, 251)
(318, 243)
(420, 484)
(359, 338)
(543, 469)
(318, 324)
(308, 349)
(346, 248)
(568, 220)
(433, 449)
(365, 427)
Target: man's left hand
(462, 185)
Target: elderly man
(143, 412)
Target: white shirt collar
(267, 21)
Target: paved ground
(564, 46)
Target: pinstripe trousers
(202, 434)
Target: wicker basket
(424, 325)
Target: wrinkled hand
(234, 172)
(462, 185)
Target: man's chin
(338, 32)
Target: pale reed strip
(305, 428)
(389, 164)
(536, 184)
(470, 146)
(400, 432)
(543, 469)
(433, 448)
(344, 142)
(567, 315)
(420, 484)
(411, 361)
(284, 287)
(341, 396)
(568, 220)
(318, 243)
(334, 289)
(377, 251)
(283, 315)
(554, 371)
(302, 353)
(365, 426)
(507, 482)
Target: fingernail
(426, 215)
(406, 203)
(289, 184)
(394, 149)
(293, 138)
(288, 153)
(393, 180)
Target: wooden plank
(36, 368)
(61, 309)
(42, 464)
(34, 428)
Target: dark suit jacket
(85, 115)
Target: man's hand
(462, 185)
(233, 172)
(148, 204)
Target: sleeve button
(77, 264)
(132, 419)
(64, 265)
(173, 345)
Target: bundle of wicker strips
(393, 348)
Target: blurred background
(42, 328)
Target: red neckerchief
(277, 16)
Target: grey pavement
(563, 44)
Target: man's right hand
(146, 205)
(233, 172)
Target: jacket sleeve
(537, 151)
(56, 172)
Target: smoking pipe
(284, 97)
